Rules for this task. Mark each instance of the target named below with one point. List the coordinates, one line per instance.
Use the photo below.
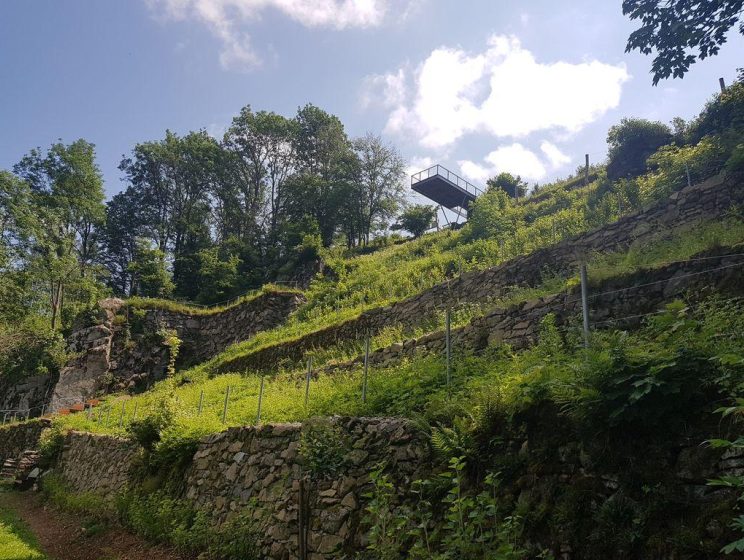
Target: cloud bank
(225, 19)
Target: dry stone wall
(616, 302)
(706, 201)
(262, 470)
(17, 438)
(97, 463)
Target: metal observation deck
(444, 187)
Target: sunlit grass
(17, 542)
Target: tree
(377, 191)
(417, 219)
(60, 228)
(680, 31)
(511, 185)
(631, 143)
(120, 240)
(491, 215)
(149, 275)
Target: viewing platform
(439, 184)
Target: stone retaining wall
(17, 438)
(639, 293)
(97, 463)
(706, 201)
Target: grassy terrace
(17, 542)
(413, 388)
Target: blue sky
(480, 86)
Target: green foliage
(631, 143)
(150, 277)
(681, 33)
(323, 447)
(161, 518)
(723, 115)
(417, 219)
(511, 185)
(30, 347)
(147, 431)
(169, 338)
(51, 444)
(469, 525)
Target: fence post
(687, 171)
(201, 403)
(260, 399)
(585, 304)
(121, 416)
(722, 83)
(100, 414)
(366, 368)
(108, 415)
(90, 412)
(134, 413)
(586, 171)
(307, 379)
(448, 345)
(43, 409)
(224, 408)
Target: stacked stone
(17, 438)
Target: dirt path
(62, 537)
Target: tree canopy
(680, 32)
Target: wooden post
(108, 415)
(201, 403)
(722, 83)
(366, 369)
(260, 399)
(224, 408)
(586, 170)
(134, 413)
(307, 380)
(121, 416)
(585, 304)
(448, 345)
(687, 171)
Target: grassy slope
(410, 388)
(16, 540)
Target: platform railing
(445, 173)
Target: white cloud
(517, 160)
(224, 19)
(503, 91)
(554, 154)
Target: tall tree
(377, 191)
(67, 208)
(680, 31)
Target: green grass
(192, 309)
(17, 542)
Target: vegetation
(680, 32)
(17, 542)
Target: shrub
(323, 447)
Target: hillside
(457, 395)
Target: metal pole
(201, 403)
(307, 379)
(224, 408)
(100, 414)
(687, 170)
(366, 369)
(121, 416)
(90, 412)
(43, 409)
(260, 399)
(586, 170)
(722, 83)
(448, 345)
(553, 229)
(134, 413)
(585, 304)
(108, 415)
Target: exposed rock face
(706, 201)
(85, 375)
(109, 356)
(28, 395)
